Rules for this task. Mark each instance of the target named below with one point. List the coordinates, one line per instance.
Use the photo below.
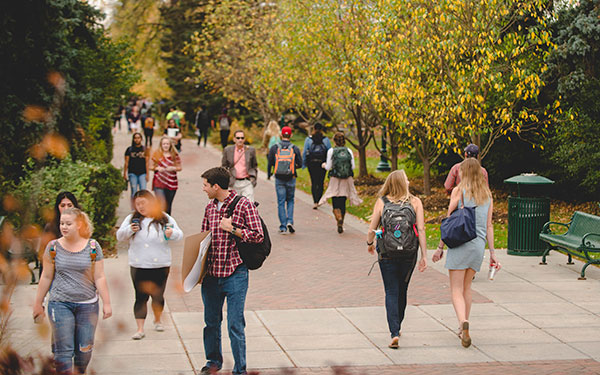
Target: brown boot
(339, 218)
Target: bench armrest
(588, 243)
(546, 229)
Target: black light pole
(383, 165)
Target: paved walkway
(312, 305)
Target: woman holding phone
(149, 231)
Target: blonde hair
(395, 187)
(472, 180)
(272, 130)
(158, 154)
(87, 228)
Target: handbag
(459, 227)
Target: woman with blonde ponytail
(465, 260)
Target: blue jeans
(285, 201)
(214, 291)
(73, 329)
(137, 182)
(396, 276)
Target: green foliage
(96, 186)
(575, 72)
(62, 36)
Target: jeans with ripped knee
(73, 329)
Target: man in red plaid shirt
(227, 275)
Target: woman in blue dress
(465, 260)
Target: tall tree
(57, 62)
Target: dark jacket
(273, 152)
(251, 164)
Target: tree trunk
(393, 146)
(362, 144)
(426, 175)
(362, 162)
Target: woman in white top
(340, 164)
(149, 231)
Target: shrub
(96, 186)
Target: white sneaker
(158, 327)
(138, 336)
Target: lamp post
(383, 165)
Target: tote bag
(459, 227)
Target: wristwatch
(233, 230)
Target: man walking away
(240, 161)
(224, 127)
(453, 179)
(227, 276)
(202, 124)
(284, 158)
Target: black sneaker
(291, 228)
(209, 370)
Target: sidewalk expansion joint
(275, 339)
(187, 353)
(364, 335)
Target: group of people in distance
(73, 267)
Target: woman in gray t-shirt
(74, 275)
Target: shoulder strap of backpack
(232, 205)
(53, 250)
(93, 254)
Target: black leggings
(149, 282)
(317, 178)
(202, 133)
(224, 138)
(339, 202)
(166, 195)
(148, 133)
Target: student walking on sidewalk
(340, 164)
(313, 157)
(74, 267)
(401, 220)
(137, 163)
(149, 231)
(165, 164)
(240, 161)
(227, 275)
(465, 260)
(283, 160)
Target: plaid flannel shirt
(245, 217)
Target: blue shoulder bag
(459, 227)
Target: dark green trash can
(527, 214)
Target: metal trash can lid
(528, 179)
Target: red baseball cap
(286, 130)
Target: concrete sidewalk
(312, 306)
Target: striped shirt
(223, 256)
(166, 179)
(73, 273)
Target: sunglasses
(239, 137)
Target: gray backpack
(399, 239)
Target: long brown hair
(158, 154)
(158, 216)
(395, 187)
(472, 180)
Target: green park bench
(581, 239)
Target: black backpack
(399, 239)
(317, 151)
(253, 254)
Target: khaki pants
(244, 188)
